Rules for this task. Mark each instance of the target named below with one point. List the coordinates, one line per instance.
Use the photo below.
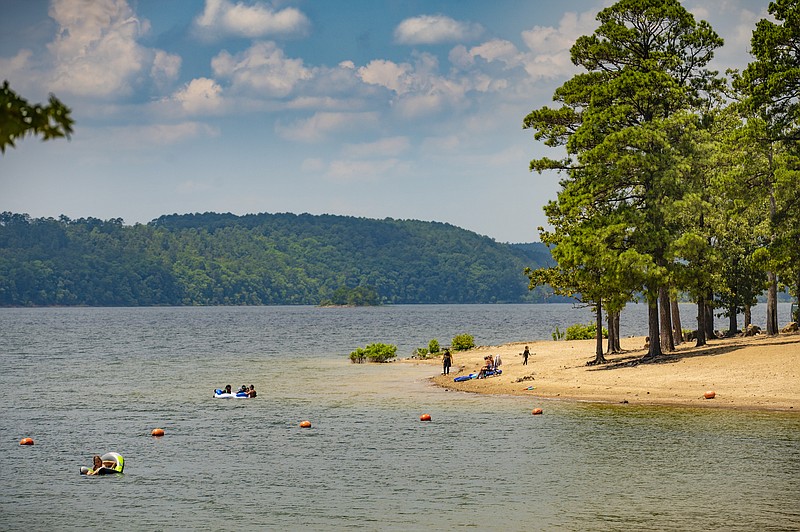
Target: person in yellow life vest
(107, 464)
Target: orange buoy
(710, 394)
(425, 417)
(537, 411)
(26, 441)
(157, 432)
(305, 424)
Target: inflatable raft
(113, 464)
(471, 376)
(221, 394)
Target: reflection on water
(88, 381)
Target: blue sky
(407, 109)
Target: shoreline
(746, 373)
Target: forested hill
(260, 259)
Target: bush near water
(583, 332)
(374, 353)
(463, 342)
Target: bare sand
(760, 373)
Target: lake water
(86, 381)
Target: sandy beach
(760, 372)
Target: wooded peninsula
(257, 259)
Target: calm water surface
(87, 381)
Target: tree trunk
(796, 317)
(748, 317)
(772, 279)
(667, 343)
(598, 351)
(772, 304)
(677, 330)
(653, 327)
(617, 346)
(710, 331)
(612, 334)
(701, 322)
(733, 324)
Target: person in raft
(100, 467)
(97, 465)
(228, 389)
(243, 389)
(447, 361)
(525, 355)
(251, 392)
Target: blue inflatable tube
(220, 394)
(471, 376)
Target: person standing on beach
(525, 355)
(447, 361)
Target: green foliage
(630, 125)
(770, 81)
(558, 334)
(583, 332)
(374, 353)
(260, 259)
(19, 118)
(432, 349)
(770, 89)
(462, 342)
(360, 296)
(433, 346)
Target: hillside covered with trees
(259, 259)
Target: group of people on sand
(251, 391)
(490, 363)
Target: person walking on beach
(525, 355)
(447, 361)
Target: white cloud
(550, 47)
(114, 144)
(496, 50)
(393, 76)
(386, 147)
(357, 170)
(439, 145)
(420, 89)
(161, 134)
(95, 53)
(201, 95)
(95, 49)
(154, 134)
(262, 68)
(547, 55)
(18, 70)
(435, 29)
(221, 17)
(165, 69)
(322, 124)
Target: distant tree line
(259, 259)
